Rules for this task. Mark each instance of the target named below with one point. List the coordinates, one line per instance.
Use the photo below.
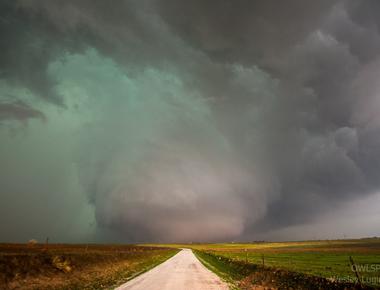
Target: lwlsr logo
(365, 268)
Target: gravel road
(182, 271)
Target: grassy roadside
(75, 266)
(127, 273)
(232, 273)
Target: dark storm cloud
(197, 119)
(243, 31)
(320, 57)
(18, 110)
(27, 44)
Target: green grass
(328, 265)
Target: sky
(189, 121)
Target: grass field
(75, 266)
(326, 259)
(290, 265)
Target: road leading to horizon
(180, 272)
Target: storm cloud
(195, 120)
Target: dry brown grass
(74, 266)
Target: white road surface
(181, 272)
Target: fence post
(353, 267)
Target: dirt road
(181, 272)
